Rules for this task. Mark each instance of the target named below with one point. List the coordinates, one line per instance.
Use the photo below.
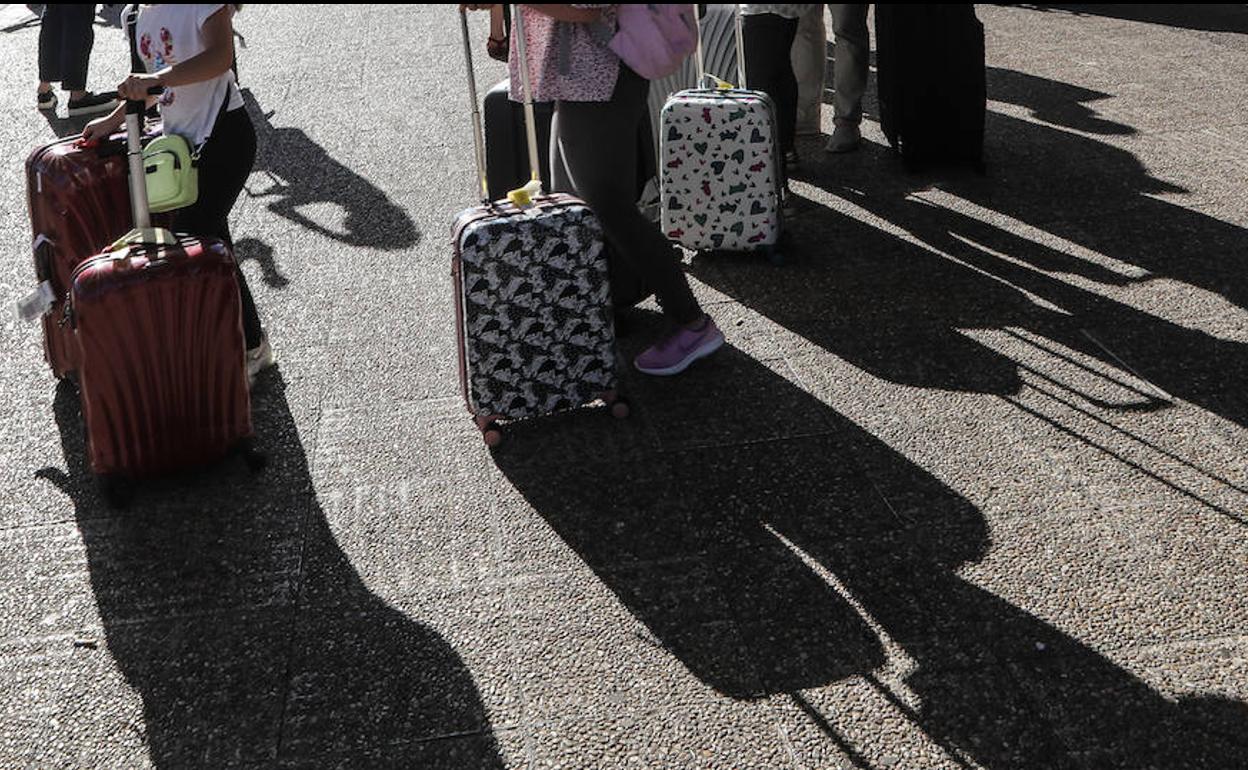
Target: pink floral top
(567, 61)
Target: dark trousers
(768, 41)
(224, 166)
(66, 36)
(594, 155)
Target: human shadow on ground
(1050, 242)
(303, 174)
(1207, 17)
(230, 609)
(771, 545)
(262, 253)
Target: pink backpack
(654, 38)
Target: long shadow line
(1118, 429)
(1079, 364)
(1129, 463)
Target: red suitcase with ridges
(162, 373)
(78, 201)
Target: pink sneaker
(673, 354)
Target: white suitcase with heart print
(721, 170)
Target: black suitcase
(506, 152)
(932, 82)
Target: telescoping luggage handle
(35, 305)
(478, 140)
(740, 36)
(143, 231)
(534, 188)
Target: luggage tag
(717, 84)
(40, 301)
(34, 305)
(522, 197)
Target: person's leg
(768, 40)
(49, 54)
(849, 76)
(607, 181)
(77, 39)
(224, 166)
(810, 54)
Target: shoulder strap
(132, 23)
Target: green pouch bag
(169, 168)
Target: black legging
(768, 41)
(593, 154)
(66, 36)
(224, 166)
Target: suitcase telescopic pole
(530, 124)
(134, 154)
(478, 140)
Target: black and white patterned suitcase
(532, 299)
(721, 168)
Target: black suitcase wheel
(118, 492)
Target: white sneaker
(845, 138)
(259, 358)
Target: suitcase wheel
(256, 461)
(619, 406)
(117, 490)
(491, 433)
(253, 458)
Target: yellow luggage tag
(715, 82)
(522, 197)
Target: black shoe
(91, 104)
(47, 100)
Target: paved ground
(968, 489)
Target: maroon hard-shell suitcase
(162, 374)
(157, 319)
(78, 201)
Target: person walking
(66, 37)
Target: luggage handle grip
(130, 103)
(104, 148)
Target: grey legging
(593, 155)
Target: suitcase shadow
(230, 609)
(820, 563)
(302, 174)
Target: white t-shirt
(169, 33)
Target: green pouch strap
(170, 170)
